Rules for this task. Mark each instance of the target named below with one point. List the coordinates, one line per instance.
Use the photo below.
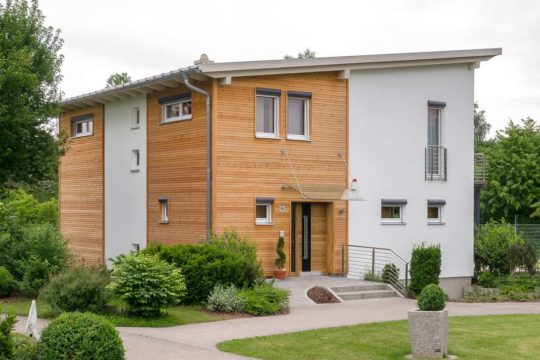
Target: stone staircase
(363, 292)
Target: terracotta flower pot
(280, 274)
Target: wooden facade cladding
(81, 205)
(246, 167)
(176, 170)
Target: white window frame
(275, 134)
(135, 160)
(400, 220)
(165, 119)
(88, 123)
(439, 220)
(268, 219)
(135, 118)
(164, 211)
(306, 119)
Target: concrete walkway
(198, 341)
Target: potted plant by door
(279, 272)
(428, 325)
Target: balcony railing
(435, 163)
(480, 170)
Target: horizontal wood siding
(81, 190)
(246, 167)
(176, 170)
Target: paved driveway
(198, 341)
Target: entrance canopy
(322, 192)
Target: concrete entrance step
(362, 292)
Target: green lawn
(177, 315)
(515, 337)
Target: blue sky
(143, 38)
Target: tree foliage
(117, 79)
(481, 127)
(306, 54)
(29, 96)
(514, 173)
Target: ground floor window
(164, 210)
(393, 211)
(263, 211)
(435, 211)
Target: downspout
(208, 154)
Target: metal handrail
(377, 248)
(435, 163)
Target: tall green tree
(306, 54)
(481, 127)
(117, 79)
(29, 96)
(513, 188)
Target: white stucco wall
(125, 191)
(388, 135)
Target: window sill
(393, 223)
(258, 136)
(264, 223)
(298, 139)
(134, 170)
(436, 223)
(81, 136)
(135, 127)
(172, 121)
(163, 222)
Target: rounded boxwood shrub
(80, 336)
(432, 298)
(24, 347)
(147, 284)
(264, 299)
(6, 282)
(78, 289)
(425, 267)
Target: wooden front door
(309, 238)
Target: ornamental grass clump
(147, 284)
(225, 299)
(432, 298)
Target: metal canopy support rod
(286, 153)
(208, 154)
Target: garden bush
(7, 324)
(80, 336)
(432, 298)
(32, 254)
(390, 273)
(487, 279)
(225, 299)
(425, 267)
(6, 282)
(264, 299)
(523, 256)
(24, 347)
(78, 289)
(206, 265)
(492, 244)
(147, 284)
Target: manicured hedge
(425, 267)
(206, 265)
(432, 298)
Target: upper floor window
(267, 113)
(135, 118)
(435, 211)
(435, 151)
(175, 108)
(393, 211)
(82, 125)
(298, 115)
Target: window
(135, 118)
(435, 152)
(82, 126)
(393, 211)
(135, 160)
(164, 210)
(435, 211)
(263, 211)
(267, 113)
(175, 108)
(298, 116)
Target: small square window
(135, 118)
(435, 212)
(82, 126)
(164, 210)
(263, 213)
(135, 160)
(393, 211)
(267, 116)
(177, 110)
(298, 118)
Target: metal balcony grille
(435, 163)
(480, 169)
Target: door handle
(305, 237)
